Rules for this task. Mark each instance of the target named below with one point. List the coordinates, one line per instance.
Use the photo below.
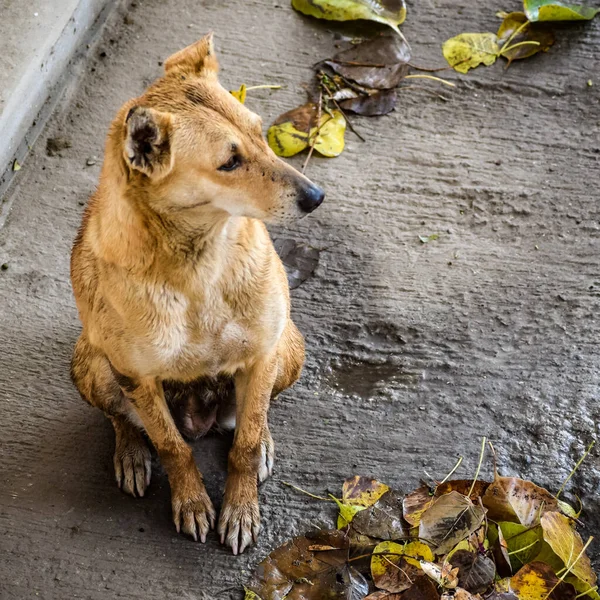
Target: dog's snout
(310, 198)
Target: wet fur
(183, 300)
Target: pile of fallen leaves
(366, 77)
(363, 79)
(458, 539)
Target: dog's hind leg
(290, 357)
(92, 374)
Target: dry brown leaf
(475, 570)
(449, 520)
(380, 63)
(517, 500)
(422, 498)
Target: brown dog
(181, 293)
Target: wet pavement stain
(366, 380)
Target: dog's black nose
(310, 197)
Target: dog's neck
(136, 237)
(182, 239)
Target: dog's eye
(231, 164)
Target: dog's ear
(197, 59)
(147, 145)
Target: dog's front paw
(267, 455)
(239, 522)
(132, 462)
(193, 512)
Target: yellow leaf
(568, 546)
(414, 552)
(285, 140)
(469, 50)
(240, 94)
(394, 566)
(502, 585)
(16, 166)
(362, 491)
(378, 563)
(537, 581)
(250, 595)
(295, 130)
(350, 10)
(330, 140)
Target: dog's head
(194, 147)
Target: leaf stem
(299, 489)
(264, 87)
(523, 548)
(512, 37)
(423, 89)
(360, 137)
(458, 462)
(494, 458)
(432, 77)
(592, 589)
(528, 43)
(562, 487)
(427, 69)
(319, 125)
(483, 440)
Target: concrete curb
(39, 40)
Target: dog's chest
(203, 335)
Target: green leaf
(556, 10)
(389, 12)
(547, 556)
(347, 512)
(567, 509)
(523, 544)
(469, 50)
(424, 239)
(583, 588)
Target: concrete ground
(38, 40)
(415, 350)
